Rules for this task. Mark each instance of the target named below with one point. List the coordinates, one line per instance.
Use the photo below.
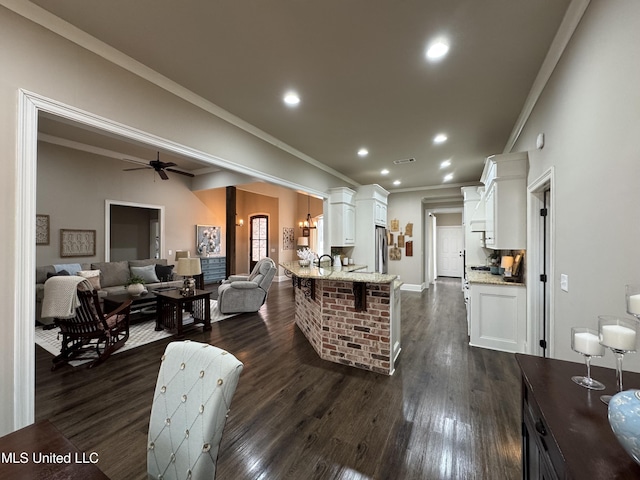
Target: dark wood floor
(449, 411)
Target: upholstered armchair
(195, 385)
(247, 293)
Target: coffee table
(138, 304)
(171, 304)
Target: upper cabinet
(505, 201)
(342, 214)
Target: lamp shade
(182, 254)
(507, 262)
(188, 267)
(303, 241)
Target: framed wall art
(207, 240)
(288, 240)
(77, 243)
(42, 229)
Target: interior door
(259, 239)
(449, 251)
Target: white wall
(590, 115)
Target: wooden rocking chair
(91, 328)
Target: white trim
(25, 263)
(68, 31)
(534, 269)
(570, 22)
(29, 106)
(107, 223)
(412, 287)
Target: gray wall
(590, 115)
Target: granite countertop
(479, 276)
(347, 273)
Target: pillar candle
(587, 344)
(619, 337)
(634, 304)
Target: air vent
(404, 160)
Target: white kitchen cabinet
(371, 212)
(498, 317)
(473, 240)
(342, 214)
(505, 201)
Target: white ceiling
(358, 65)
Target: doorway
(540, 267)
(448, 251)
(133, 231)
(258, 239)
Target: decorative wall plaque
(42, 229)
(77, 243)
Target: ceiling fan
(161, 168)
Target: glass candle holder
(621, 336)
(586, 342)
(632, 297)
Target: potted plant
(135, 285)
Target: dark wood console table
(171, 303)
(565, 429)
(40, 451)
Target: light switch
(170, 252)
(564, 282)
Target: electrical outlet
(170, 252)
(564, 282)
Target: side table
(170, 305)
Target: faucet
(325, 255)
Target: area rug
(139, 334)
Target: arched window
(259, 239)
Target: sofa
(108, 278)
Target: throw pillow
(148, 273)
(61, 273)
(93, 276)
(72, 268)
(164, 272)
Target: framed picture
(77, 243)
(42, 229)
(207, 240)
(288, 240)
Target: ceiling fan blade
(186, 174)
(132, 169)
(162, 174)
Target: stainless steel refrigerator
(382, 250)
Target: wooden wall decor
(395, 225)
(395, 253)
(42, 229)
(409, 248)
(408, 230)
(401, 241)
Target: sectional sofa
(109, 278)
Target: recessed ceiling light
(448, 177)
(397, 182)
(384, 171)
(437, 49)
(291, 98)
(363, 152)
(440, 138)
(445, 163)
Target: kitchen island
(349, 316)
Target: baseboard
(412, 287)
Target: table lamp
(188, 267)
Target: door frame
(251, 217)
(144, 206)
(438, 248)
(535, 265)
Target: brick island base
(351, 323)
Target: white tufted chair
(195, 385)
